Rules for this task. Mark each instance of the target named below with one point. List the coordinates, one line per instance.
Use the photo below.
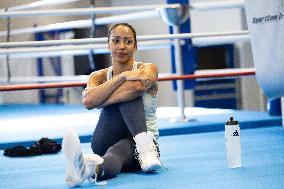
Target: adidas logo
(235, 133)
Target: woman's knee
(134, 104)
(98, 147)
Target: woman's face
(122, 44)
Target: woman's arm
(146, 73)
(123, 87)
(127, 91)
(97, 91)
(144, 79)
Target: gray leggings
(113, 137)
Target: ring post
(179, 71)
(174, 17)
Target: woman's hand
(134, 75)
(138, 75)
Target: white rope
(84, 78)
(54, 53)
(215, 5)
(75, 50)
(54, 42)
(39, 4)
(50, 27)
(50, 48)
(80, 78)
(85, 23)
(225, 70)
(220, 40)
(104, 39)
(85, 11)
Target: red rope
(210, 75)
(40, 86)
(83, 84)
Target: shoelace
(94, 180)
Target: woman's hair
(123, 24)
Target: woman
(125, 138)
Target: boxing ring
(193, 152)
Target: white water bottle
(233, 143)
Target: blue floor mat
(24, 124)
(194, 161)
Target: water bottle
(233, 143)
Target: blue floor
(34, 122)
(193, 152)
(194, 161)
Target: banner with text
(265, 20)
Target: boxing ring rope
(44, 79)
(220, 40)
(85, 11)
(82, 50)
(195, 6)
(85, 23)
(39, 4)
(245, 72)
(104, 39)
(215, 5)
(111, 19)
(81, 78)
(98, 48)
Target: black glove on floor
(43, 146)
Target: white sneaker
(79, 166)
(146, 152)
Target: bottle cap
(232, 122)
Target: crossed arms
(121, 88)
